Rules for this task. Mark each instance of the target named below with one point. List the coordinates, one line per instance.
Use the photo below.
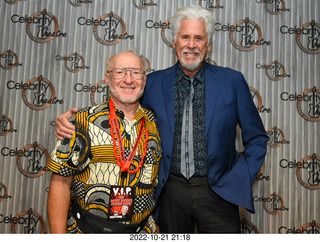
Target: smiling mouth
(190, 54)
(128, 88)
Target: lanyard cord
(115, 133)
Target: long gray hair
(192, 13)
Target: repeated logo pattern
(53, 57)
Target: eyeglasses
(119, 73)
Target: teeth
(191, 53)
(130, 88)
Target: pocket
(227, 107)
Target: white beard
(191, 67)
(194, 66)
(125, 100)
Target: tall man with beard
(203, 179)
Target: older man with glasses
(110, 163)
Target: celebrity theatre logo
(273, 204)
(38, 93)
(42, 26)
(108, 29)
(9, 60)
(6, 126)
(26, 222)
(32, 160)
(73, 62)
(307, 36)
(210, 5)
(308, 172)
(276, 71)
(308, 103)
(143, 4)
(79, 3)
(275, 7)
(245, 34)
(277, 138)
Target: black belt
(93, 224)
(193, 181)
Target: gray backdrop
(53, 55)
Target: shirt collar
(198, 77)
(139, 114)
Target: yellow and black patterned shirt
(89, 157)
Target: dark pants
(189, 206)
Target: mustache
(191, 51)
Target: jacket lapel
(168, 94)
(211, 90)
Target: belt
(90, 223)
(193, 181)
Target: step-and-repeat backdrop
(53, 56)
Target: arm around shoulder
(64, 129)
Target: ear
(173, 45)
(209, 47)
(106, 79)
(145, 80)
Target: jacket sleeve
(254, 137)
(236, 184)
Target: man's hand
(64, 129)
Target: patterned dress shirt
(182, 88)
(89, 157)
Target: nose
(191, 43)
(128, 77)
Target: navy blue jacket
(228, 104)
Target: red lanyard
(115, 131)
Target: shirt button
(168, 157)
(163, 181)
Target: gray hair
(192, 13)
(143, 60)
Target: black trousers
(191, 206)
